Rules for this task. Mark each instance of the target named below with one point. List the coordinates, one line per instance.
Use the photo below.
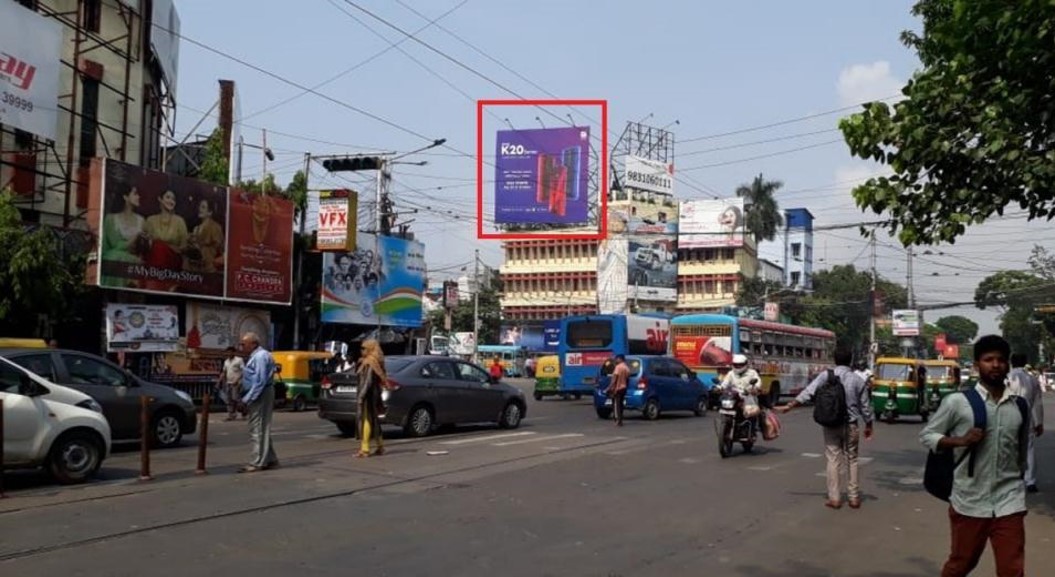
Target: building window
(796, 250)
(93, 15)
(89, 117)
(795, 277)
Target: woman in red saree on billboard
(167, 236)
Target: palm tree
(763, 217)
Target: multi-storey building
(709, 278)
(548, 279)
(115, 99)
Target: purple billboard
(541, 176)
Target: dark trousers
(969, 536)
(617, 405)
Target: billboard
(380, 283)
(541, 176)
(142, 328)
(259, 248)
(30, 62)
(531, 336)
(643, 217)
(704, 351)
(711, 223)
(550, 336)
(162, 233)
(209, 330)
(164, 38)
(612, 289)
(905, 323)
(652, 267)
(338, 210)
(650, 175)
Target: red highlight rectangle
(602, 193)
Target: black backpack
(941, 465)
(829, 402)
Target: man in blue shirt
(258, 394)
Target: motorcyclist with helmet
(740, 379)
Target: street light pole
(476, 305)
(873, 346)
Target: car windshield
(633, 364)
(396, 364)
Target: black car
(172, 412)
(425, 392)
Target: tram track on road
(395, 482)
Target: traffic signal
(353, 164)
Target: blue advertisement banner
(381, 282)
(551, 336)
(541, 176)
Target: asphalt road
(566, 494)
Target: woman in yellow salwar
(372, 378)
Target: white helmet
(740, 363)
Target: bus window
(589, 334)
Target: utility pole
(912, 305)
(263, 172)
(476, 303)
(380, 196)
(873, 346)
(298, 305)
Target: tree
(38, 276)
(1042, 263)
(958, 329)
(214, 166)
(462, 315)
(763, 217)
(1016, 294)
(975, 130)
(754, 291)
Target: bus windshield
(589, 334)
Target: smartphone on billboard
(572, 157)
(542, 178)
(558, 199)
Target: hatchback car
(657, 384)
(425, 392)
(172, 412)
(70, 440)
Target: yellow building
(709, 278)
(548, 279)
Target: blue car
(657, 384)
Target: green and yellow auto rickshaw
(301, 372)
(547, 376)
(899, 389)
(943, 377)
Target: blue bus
(511, 357)
(587, 341)
(786, 356)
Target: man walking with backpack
(840, 402)
(987, 427)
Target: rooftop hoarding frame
(602, 196)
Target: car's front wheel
(74, 458)
(511, 416)
(167, 429)
(419, 424)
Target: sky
(747, 87)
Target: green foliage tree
(763, 217)
(958, 329)
(214, 166)
(974, 131)
(1017, 294)
(754, 291)
(462, 315)
(37, 275)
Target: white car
(48, 425)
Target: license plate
(726, 412)
(346, 389)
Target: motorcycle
(734, 426)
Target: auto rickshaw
(547, 376)
(899, 389)
(943, 376)
(301, 372)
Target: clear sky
(714, 67)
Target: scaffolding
(642, 141)
(39, 166)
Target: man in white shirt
(1025, 385)
(231, 382)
